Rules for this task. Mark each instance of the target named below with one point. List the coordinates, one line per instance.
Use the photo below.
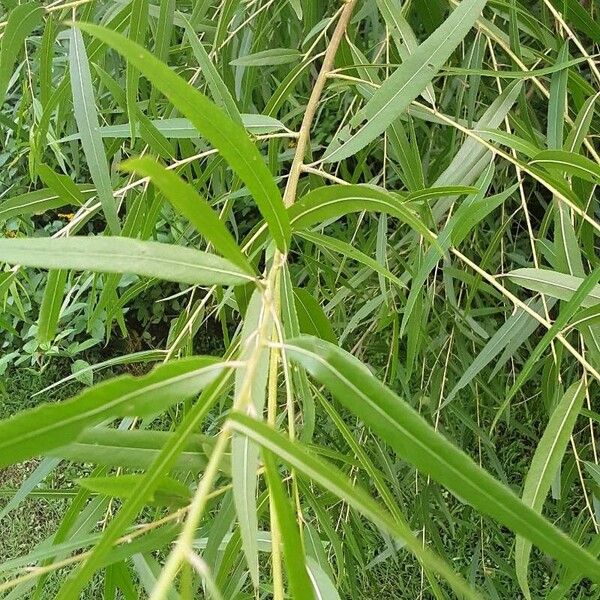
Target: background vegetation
(299, 299)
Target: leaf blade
(230, 139)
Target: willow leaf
(213, 123)
(115, 254)
(416, 441)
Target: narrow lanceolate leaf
(138, 24)
(551, 283)
(22, 20)
(272, 56)
(165, 459)
(311, 318)
(192, 206)
(300, 584)
(334, 201)
(250, 389)
(415, 440)
(228, 137)
(219, 91)
(407, 82)
(135, 449)
(86, 116)
(546, 460)
(38, 202)
(180, 128)
(403, 35)
(567, 312)
(123, 255)
(62, 185)
(41, 429)
(50, 308)
(330, 478)
(570, 163)
(581, 126)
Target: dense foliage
(341, 262)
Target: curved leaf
(544, 464)
(115, 254)
(334, 201)
(22, 20)
(228, 137)
(49, 426)
(416, 441)
(192, 206)
(86, 116)
(330, 478)
(557, 285)
(407, 82)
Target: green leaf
(568, 162)
(87, 122)
(168, 492)
(407, 82)
(415, 440)
(265, 58)
(187, 201)
(311, 318)
(135, 449)
(161, 465)
(566, 314)
(123, 255)
(62, 185)
(138, 23)
(544, 465)
(228, 137)
(50, 308)
(330, 478)
(49, 426)
(38, 202)
(551, 283)
(22, 20)
(403, 35)
(324, 587)
(218, 89)
(250, 393)
(293, 550)
(557, 102)
(581, 126)
(334, 201)
(182, 129)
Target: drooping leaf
(43, 428)
(123, 255)
(272, 56)
(300, 585)
(552, 283)
(22, 20)
(407, 82)
(51, 302)
(86, 116)
(228, 137)
(544, 464)
(416, 441)
(569, 162)
(333, 201)
(192, 206)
